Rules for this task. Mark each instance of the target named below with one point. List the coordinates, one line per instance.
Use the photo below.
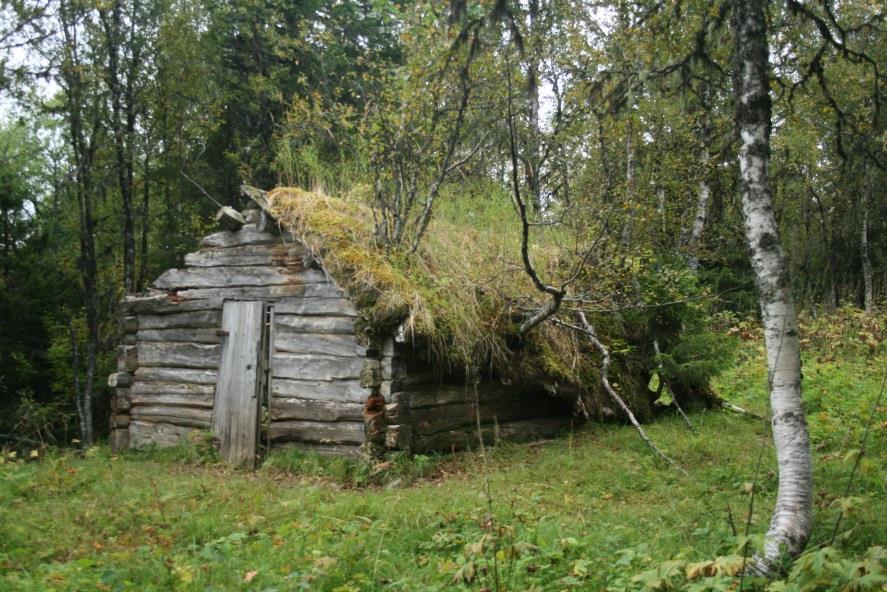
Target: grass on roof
(460, 297)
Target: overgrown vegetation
(463, 294)
(563, 518)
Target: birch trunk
(791, 521)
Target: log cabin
(258, 340)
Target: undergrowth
(591, 511)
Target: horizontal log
(179, 355)
(119, 379)
(141, 387)
(174, 400)
(166, 374)
(201, 319)
(445, 394)
(206, 335)
(175, 415)
(336, 307)
(303, 324)
(175, 421)
(144, 433)
(226, 277)
(321, 432)
(314, 367)
(312, 409)
(164, 303)
(517, 431)
(352, 451)
(290, 256)
(311, 343)
(322, 290)
(346, 391)
(248, 235)
(450, 417)
(129, 339)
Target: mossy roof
(459, 298)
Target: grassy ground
(591, 511)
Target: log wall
(168, 362)
(327, 391)
(430, 413)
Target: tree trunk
(703, 192)
(83, 141)
(791, 521)
(146, 224)
(869, 291)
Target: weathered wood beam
(229, 219)
(346, 450)
(310, 343)
(313, 367)
(167, 374)
(517, 431)
(174, 400)
(345, 391)
(171, 388)
(187, 416)
(179, 355)
(334, 307)
(164, 303)
(312, 409)
(322, 290)
(332, 432)
(290, 256)
(236, 276)
(248, 235)
(143, 433)
(202, 319)
(433, 420)
(206, 335)
(300, 324)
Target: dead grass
(459, 300)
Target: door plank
(236, 413)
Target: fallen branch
(589, 331)
(674, 397)
(728, 406)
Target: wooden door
(237, 403)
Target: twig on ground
(674, 396)
(589, 332)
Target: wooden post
(374, 409)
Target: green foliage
(594, 511)
(400, 470)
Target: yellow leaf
(248, 576)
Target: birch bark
(791, 521)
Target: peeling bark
(792, 517)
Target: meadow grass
(589, 511)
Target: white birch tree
(792, 517)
